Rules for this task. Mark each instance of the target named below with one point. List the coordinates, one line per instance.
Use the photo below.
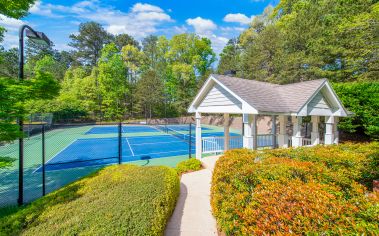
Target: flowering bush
(305, 190)
(189, 165)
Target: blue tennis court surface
(125, 129)
(102, 151)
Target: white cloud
(144, 7)
(238, 18)
(218, 42)
(228, 29)
(10, 23)
(141, 20)
(153, 16)
(12, 26)
(206, 28)
(180, 29)
(202, 26)
(40, 9)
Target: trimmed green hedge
(189, 165)
(117, 200)
(315, 191)
(362, 98)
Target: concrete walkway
(193, 215)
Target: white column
(315, 136)
(336, 133)
(283, 137)
(254, 131)
(198, 136)
(296, 135)
(273, 131)
(247, 135)
(226, 131)
(329, 132)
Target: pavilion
(227, 95)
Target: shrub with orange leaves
(300, 191)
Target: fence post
(190, 141)
(43, 162)
(20, 199)
(119, 142)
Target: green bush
(117, 200)
(189, 165)
(362, 98)
(6, 162)
(300, 191)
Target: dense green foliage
(89, 42)
(14, 93)
(40, 85)
(362, 98)
(189, 165)
(307, 39)
(15, 9)
(121, 82)
(318, 190)
(6, 162)
(117, 200)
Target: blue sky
(218, 20)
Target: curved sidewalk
(193, 215)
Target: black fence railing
(54, 156)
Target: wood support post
(329, 132)
(283, 137)
(198, 136)
(254, 131)
(226, 131)
(315, 136)
(273, 129)
(296, 135)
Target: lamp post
(37, 37)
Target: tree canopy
(307, 39)
(117, 77)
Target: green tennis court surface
(73, 152)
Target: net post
(119, 142)
(43, 162)
(190, 140)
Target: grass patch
(117, 200)
(189, 165)
(322, 190)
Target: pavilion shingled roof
(268, 97)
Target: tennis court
(154, 143)
(102, 151)
(114, 129)
(72, 152)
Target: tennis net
(185, 137)
(162, 128)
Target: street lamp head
(38, 37)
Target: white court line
(162, 152)
(158, 143)
(55, 155)
(122, 129)
(129, 146)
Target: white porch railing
(306, 142)
(289, 141)
(216, 144)
(265, 140)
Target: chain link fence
(56, 155)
